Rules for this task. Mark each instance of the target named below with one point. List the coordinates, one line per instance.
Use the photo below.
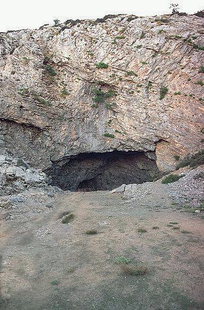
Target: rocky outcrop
(16, 176)
(123, 83)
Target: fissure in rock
(102, 171)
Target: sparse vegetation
(55, 282)
(201, 48)
(68, 218)
(185, 232)
(177, 93)
(201, 83)
(122, 260)
(201, 70)
(50, 70)
(176, 157)
(40, 99)
(131, 73)
(64, 92)
(138, 46)
(155, 227)
(171, 178)
(91, 232)
(24, 92)
(120, 37)
(109, 135)
(163, 92)
(142, 230)
(193, 161)
(101, 65)
(101, 96)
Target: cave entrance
(102, 171)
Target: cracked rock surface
(145, 96)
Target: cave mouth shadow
(102, 171)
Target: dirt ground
(50, 265)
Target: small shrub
(56, 22)
(91, 232)
(176, 157)
(171, 178)
(142, 230)
(185, 232)
(144, 63)
(109, 135)
(50, 70)
(175, 228)
(95, 105)
(173, 223)
(101, 65)
(120, 37)
(68, 218)
(101, 96)
(123, 260)
(163, 92)
(64, 92)
(138, 46)
(110, 106)
(24, 92)
(201, 70)
(131, 73)
(177, 93)
(155, 227)
(201, 83)
(40, 99)
(201, 48)
(55, 282)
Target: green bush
(120, 37)
(163, 92)
(101, 65)
(201, 70)
(171, 178)
(50, 70)
(101, 96)
(131, 73)
(201, 83)
(177, 93)
(109, 135)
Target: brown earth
(48, 265)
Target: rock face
(123, 83)
(16, 176)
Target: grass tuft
(91, 232)
(68, 218)
(171, 178)
(142, 230)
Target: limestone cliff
(117, 83)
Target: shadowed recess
(102, 171)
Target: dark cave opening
(102, 171)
